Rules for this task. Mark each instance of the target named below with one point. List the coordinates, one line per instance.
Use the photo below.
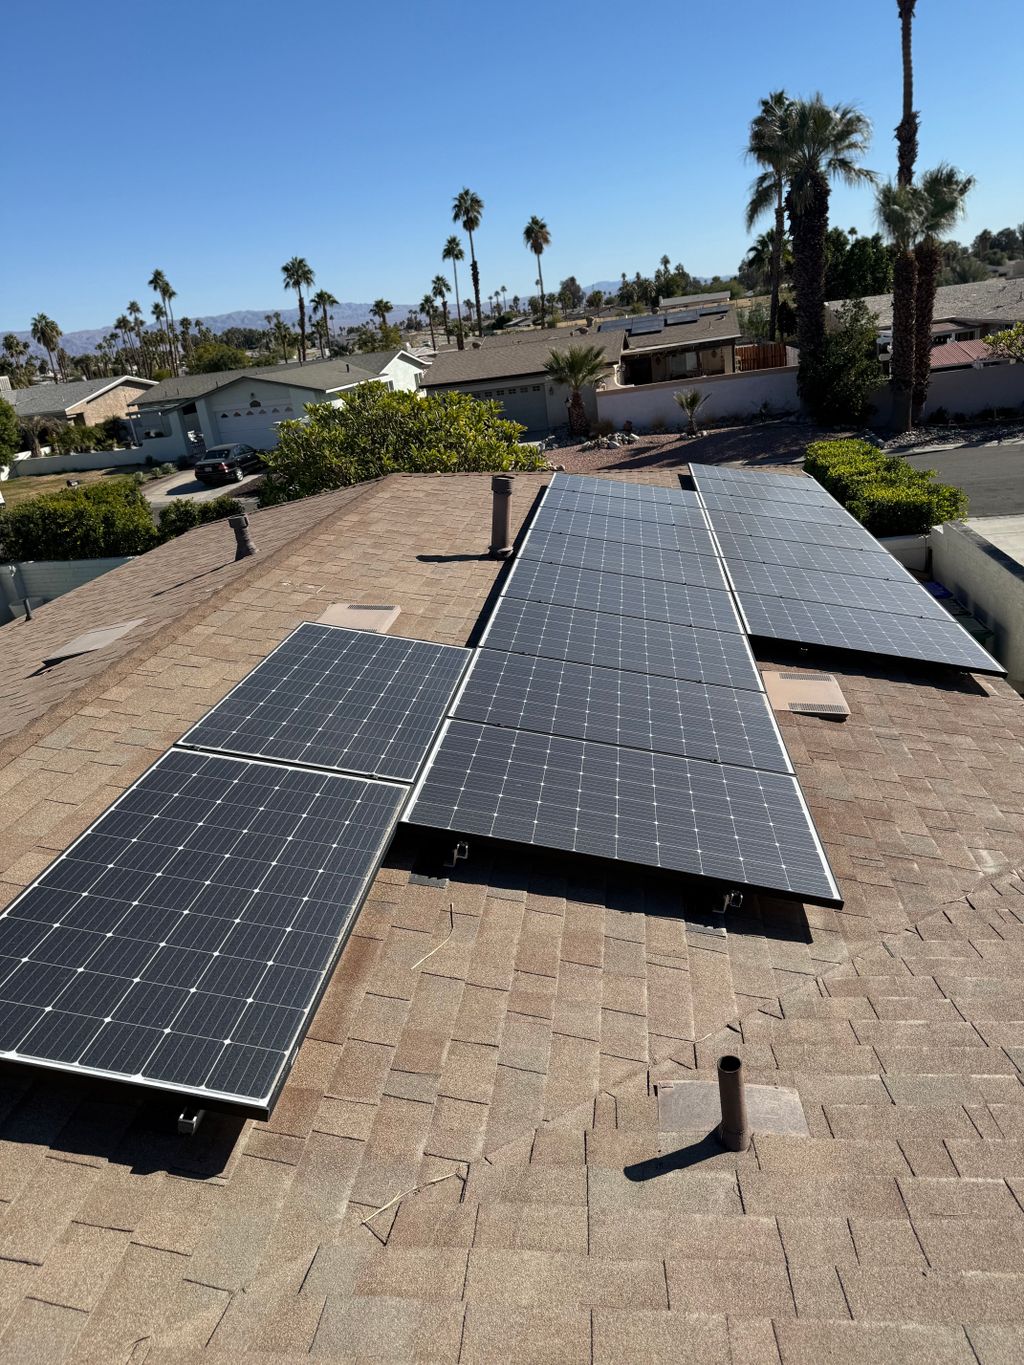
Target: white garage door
(253, 421)
(525, 403)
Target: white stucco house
(247, 405)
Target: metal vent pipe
(501, 515)
(244, 546)
(734, 1130)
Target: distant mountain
(344, 315)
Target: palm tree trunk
(901, 366)
(579, 423)
(474, 273)
(171, 337)
(906, 130)
(430, 324)
(540, 276)
(458, 310)
(928, 257)
(808, 227)
(302, 327)
(780, 232)
(444, 314)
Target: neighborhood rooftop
(466, 1163)
(526, 356)
(998, 301)
(41, 400)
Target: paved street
(184, 484)
(991, 474)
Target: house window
(536, 388)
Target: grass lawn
(31, 485)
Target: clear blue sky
(216, 139)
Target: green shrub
(888, 496)
(377, 432)
(837, 385)
(179, 517)
(91, 522)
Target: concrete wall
(973, 391)
(729, 395)
(41, 580)
(71, 464)
(989, 583)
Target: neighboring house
(247, 405)
(510, 370)
(962, 355)
(695, 300)
(83, 402)
(962, 312)
(688, 343)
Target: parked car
(227, 463)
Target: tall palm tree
(906, 129)
(467, 209)
(576, 367)
(185, 329)
(380, 309)
(439, 288)
(158, 282)
(324, 299)
(123, 325)
(766, 145)
(945, 192)
(159, 313)
(429, 310)
(453, 252)
(298, 276)
(503, 291)
(536, 237)
(47, 334)
(822, 142)
(765, 256)
(134, 311)
(901, 215)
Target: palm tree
(536, 237)
(453, 252)
(766, 146)
(159, 284)
(185, 328)
(124, 327)
(47, 334)
(324, 299)
(821, 142)
(134, 311)
(901, 215)
(906, 129)
(36, 429)
(691, 401)
(380, 309)
(576, 367)
(503, 291)
(159, 313)
(429, 310)
(761, 258)
(467, 209)
(439, 288)
(298, 276)
(945, 191)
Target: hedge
(185, 515)
(91, 522)
(888, 496)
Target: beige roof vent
(357, 616)
(806, 694)
(90, 642)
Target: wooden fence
(763, 355)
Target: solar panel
(184, 941)
(692, 539)
(615, 325)
(570, 501)
(707, 819)
(647, 327)
(636, 710)
(882, 595)
(766, 478)
(622, 596)
(627, 642)
(860, 563)
(619, 488)
(903, 637)
(788, 491)
(793, 510)
(617, 556)
(351, 700)
(785, 528)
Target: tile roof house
(466, 1163)
(246, 405)
(85, 402)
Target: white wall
(729, 395)
(972, 391)
(401, 373)
(989, 583)
(41, 580)
(76, 464)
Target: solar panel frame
(330, 697)
(232, 942)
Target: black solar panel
(619, 488)
(628, 642)
(851, 536)
(184, 941)
(636, 710)
(691, 539)
(622, 596)
(605, 505)
(647, 327)
(707, 819)
(787, 491)
(748, 474)
(350, 700)
(617, 556)
(792, 510)
(883, 595)
(860, 563)
(904, 637)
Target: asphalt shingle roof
(526, 355)
(701, 332)
(318, 375)
(46, 400)
(997, 301)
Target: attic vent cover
(91, 641)
(806, 694)
(360, 616)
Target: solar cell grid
(671, 513)
(619, 488)
(183, 941)
(791, 509)
(851, 537)
(705, 819)
(636, 710)
(830, 559)
(628, 642)
(692, 538)
(617, 556)
(882, 595)
(350, 700)
(620, 595)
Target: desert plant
(577, 367)
(691, 401)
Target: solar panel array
(614, 707)
(803, 569)
(184, 941)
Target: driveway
(991, 475)
(184, 484)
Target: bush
(182, 516)
(69, 439)
(91, 522)
(887, 496)
(10, 438)
(837, 385)
(377, 432)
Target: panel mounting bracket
(459, 854)
(189, 1121)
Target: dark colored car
(227, 463)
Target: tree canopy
(210, 357)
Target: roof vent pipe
(501, 515)
(244, 546)
(734, 1130)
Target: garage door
(253, 421)
(525, 403)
